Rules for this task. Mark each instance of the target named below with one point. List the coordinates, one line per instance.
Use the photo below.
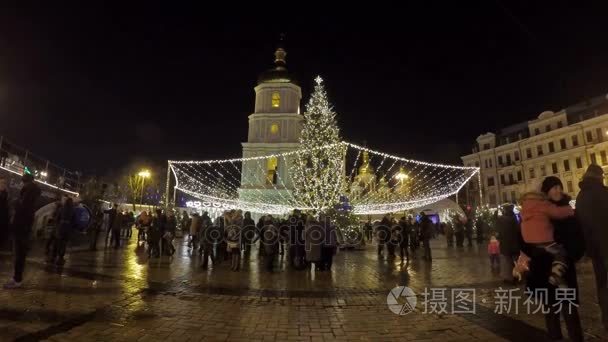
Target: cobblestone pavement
(120, 295)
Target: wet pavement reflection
(123, 295)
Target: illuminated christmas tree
(318, 169)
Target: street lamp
(143, 174)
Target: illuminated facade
(562, 144)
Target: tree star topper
(319, 80)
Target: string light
(211, 181)
(314, 176)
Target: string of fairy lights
(389, 183)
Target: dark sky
(94, 87)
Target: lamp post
(143, 174)
(402, 177)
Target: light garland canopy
(374, 182)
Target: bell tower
(274, 128)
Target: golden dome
(366, 168)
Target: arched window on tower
(274, 129)
(272, 168)
(276, 100)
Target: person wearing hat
(567, 233)
(592, 214)
(509, 233)
(22, 225)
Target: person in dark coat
(64, 227)
(368, 229)
(4, 212)
(568, 233)
(297, 252)
(248, 232)
(207, 240)
(509, 235)
(426, 233)
(468, 231)
(458, 230)
(403, 239)
(112, 213)
(330, 243)
(592, 214)
(270, 241)
(96, 222)
(21, 227)
(383, 233)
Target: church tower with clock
(274, 128)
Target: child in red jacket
(537, 230)
(494, 252)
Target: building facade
(516, 159)
(274, 128)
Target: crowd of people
(543, 243)
(308, 239)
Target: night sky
(94, 88)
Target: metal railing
(15, 158)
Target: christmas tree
(318, 168)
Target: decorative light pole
(143, 174)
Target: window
(589, 136)
(504, 197)
(513, 197)
(569, 187)
(539, 150)
(531, 173)
(562, 144)
(603, 157)
(536, 131)
(508, 159)
(493, 199)
(593, 158)
(516, 155)
(486, 146)
(548, 128)
(499, 160)
(528, 153)
(575, 140)
(502, 179)
(490, 181)
(477, 164)
(579, 163)
(554, 168)
(560, 124)
(566, 165)
(600, 136)
(272, 166)
(490, 161)
(519, 176)
(276, 100)
(511, 179)
(274, 129)
(486, 163)
(551, 147)
(543, 171)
